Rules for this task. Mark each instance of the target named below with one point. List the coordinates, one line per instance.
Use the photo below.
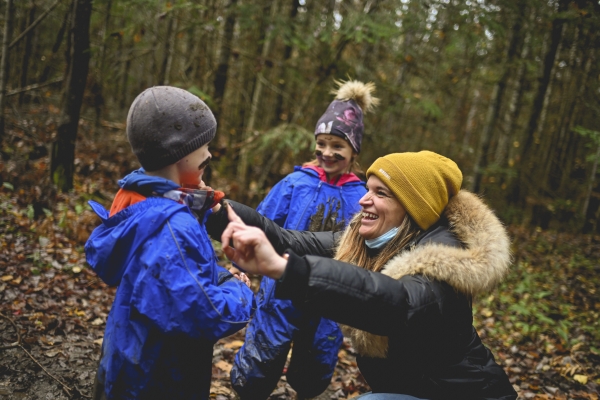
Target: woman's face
(192, 166)
(380, 210)
(334, 154)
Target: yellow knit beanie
(422, 182)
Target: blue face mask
(381, 240)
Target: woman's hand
(251, 249)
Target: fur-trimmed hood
(473, 269)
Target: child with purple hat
(322, 195)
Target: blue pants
(386, 396)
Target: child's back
(173, 301)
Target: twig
(18, 342)
(33, 87)
(34, 24)
(65, 387)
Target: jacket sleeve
(353, 296)
(301, 242)
(276, 205)
(181, 289)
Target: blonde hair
(352, 248)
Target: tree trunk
(27, 52)
(220, 81)
(59, 39)
(526, 181)
(512, 111)
(496, 102)
(591, 183)
(63, 149)
(242, 171)
(282, 83)
(8, 21)
(470, 123)
(165, 70)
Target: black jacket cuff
(293, 284)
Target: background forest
(509, 89)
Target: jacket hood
(139, 181)
(473, 269)
(117, 239)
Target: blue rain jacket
(300, 201)
(172, 304)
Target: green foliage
(287, 139)
(549, 293)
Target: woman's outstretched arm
(301, 242)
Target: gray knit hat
(165, 124)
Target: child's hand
(243, 277)
(202, 186)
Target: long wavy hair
(352, 248)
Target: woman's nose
(365, 199)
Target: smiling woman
(402, 277)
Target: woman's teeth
(368, 215)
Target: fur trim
(474, 269)
(357, 91)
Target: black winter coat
(412, 323)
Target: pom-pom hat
(422, 182)
(344, 116)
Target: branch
(33, 24)
(33, 87)
(65, 387)
(18, 342)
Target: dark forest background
(509, 89)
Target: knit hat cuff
(408, 196)
(152, 162)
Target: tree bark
(526, 183)
(496, 101)
(4, 67)
(165, 70)
(63, 149)
(59, 39)
(220, 81)
(27, 52)
(242, 171)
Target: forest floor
(542, 324)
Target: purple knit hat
(344, 116)
(343, 119)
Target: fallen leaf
(98, 341)
(97, 321)
(7, 278)
(224, 366)
(583, 379)
(236, 344)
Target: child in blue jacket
(173, 301)
(322, 195)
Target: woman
(402, 281)
(322, 195)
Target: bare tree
(4, 62)
(62, 162)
